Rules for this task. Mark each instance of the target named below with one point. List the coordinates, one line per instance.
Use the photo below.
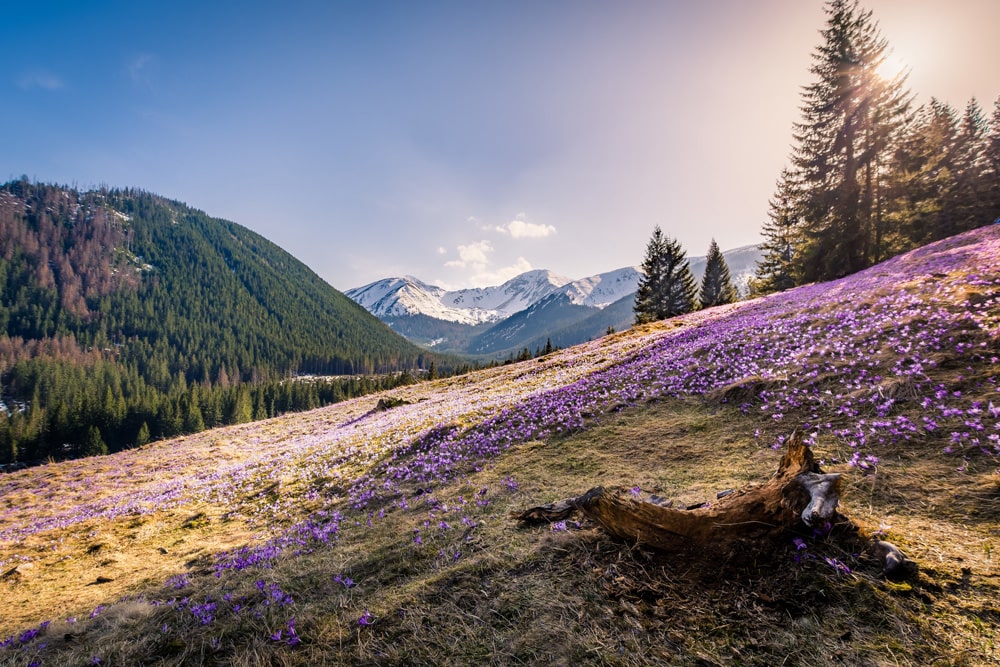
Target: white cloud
(519, 228)
(43, 80)
(473, 255)
(442, 250)
(500, 276)
(137, 68)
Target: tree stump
(799, 496)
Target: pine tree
(850, 116)
(716, 284)
(650, 289)
(93, 444)
(781, 232)
(667, 286)
(968, 204)
(993, 161)
(240, 409)
(142, 437)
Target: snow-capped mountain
(396, 297)
(392, 298)
(603, 289)
(528, 310)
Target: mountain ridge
(419, 310)
(122, 309)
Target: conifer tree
(716, 284)
(93, 444)
(968, 203)
(650, 289)
(667, 286)
(993, 160)
(775, 268)
(142, 437)
(850, 116)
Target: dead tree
(798, 496)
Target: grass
(434, 571)
(533, 596)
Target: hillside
(357, 535)
(115, 300)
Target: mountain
(528, 311)
(114, 301)
(393, 298)
(555, 318)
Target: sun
(891, 67)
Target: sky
(458, 142)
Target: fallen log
(798, 497)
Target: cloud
(42, 80)
(473, 255)
(138, 68)
(502, 275)
(442, 250)
(519, 228)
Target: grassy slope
(383, 537)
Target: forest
(871, 174)
(126, 317)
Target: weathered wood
(798, 490)
(798, 493)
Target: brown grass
(519, 596)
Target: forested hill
(156, 297)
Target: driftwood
(798, 496)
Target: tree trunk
(798, 496)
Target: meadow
(357, 535)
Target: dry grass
(532, 596)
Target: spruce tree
(650, 289)
(850, 117)
(968, 203)
(716, 284)
(142, 437)
(775, 268)
(993, 161)
(667, 286)
(93, 444)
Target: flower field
(250, 544)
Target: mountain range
(528, 311)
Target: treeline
(126, 317)
(98, 407)
(870, 176)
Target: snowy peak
(512, 297)
(394, 298)
(603, 289)
(398, 297)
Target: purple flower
(366, 618)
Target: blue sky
(460, 142)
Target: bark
(797, 497)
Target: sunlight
(891, 67)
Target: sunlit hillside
(377, 532)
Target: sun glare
(891, 67)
